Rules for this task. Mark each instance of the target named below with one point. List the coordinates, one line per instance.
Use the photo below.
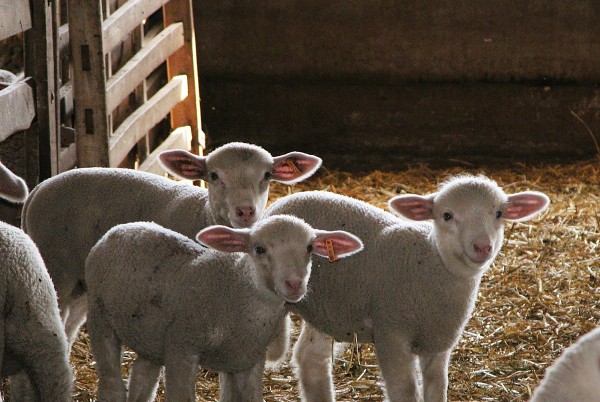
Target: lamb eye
(268, 175)
(213, 176)
(447, 216)
(498, 214)
(309, 248)
(260, 250)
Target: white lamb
(67, 214)
(33, 345)
(412, 289)
(179, 304)
(575, 376)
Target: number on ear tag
(330, 251)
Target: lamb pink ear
(336, 245)
(224, 238)
(294, 167)
(183, 164)
(413, 207)
(12, 187)
(523, 206)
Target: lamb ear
(336, 245)
(183, 164)
(294, 167)
(12, 187)
(413, 207)
(224, 238)
(523, 206)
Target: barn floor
(542, 292)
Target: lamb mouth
(468, 259)
(241, 224)
(294, 298)
(473, 263)
(479, 260)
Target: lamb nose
(293, 285)
(483, 248)
(245, 212)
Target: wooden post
(183, 61)
(141, 95)
(39, 55)
(89, 69)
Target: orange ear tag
(330, 251)
(293, 166)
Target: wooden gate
(119, 101)
(111, 84)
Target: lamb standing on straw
(178, 304)
(412, 289)
(33, 344)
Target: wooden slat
(183, 61)
(67, 136)
(125, 19)
(67, 158)
(55, 64)
(144, 146)
(91, 123)
(181, 138)
(120, 85)
(146, 117)
(63, 40)
(17, 107)
(15, 17)
(66, 101)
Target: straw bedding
(541, 294)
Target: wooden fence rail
(106, 135)
(75, 111)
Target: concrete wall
(383, 81)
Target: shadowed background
(376, 84)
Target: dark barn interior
(377, 84)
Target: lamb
(178, 304)
(77, 207)
(33, 344)
(575, 376)
(413, 287)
